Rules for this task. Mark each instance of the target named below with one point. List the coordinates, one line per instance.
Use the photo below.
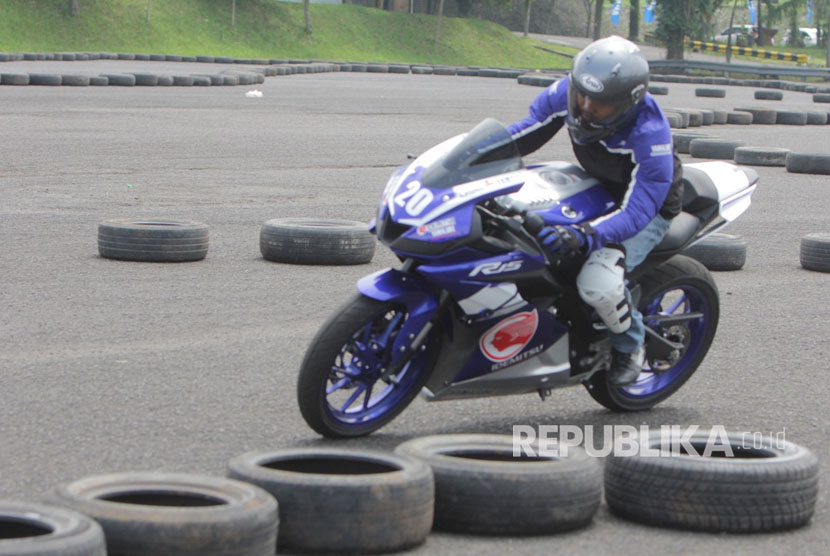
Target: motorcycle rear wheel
(339, 390)
(680, 288)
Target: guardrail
(747, 51)
(765, 71)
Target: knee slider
(601, 284)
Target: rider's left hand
(565, 243)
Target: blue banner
(810, 12)
(648, 16)
(616, 8)
(753, 14)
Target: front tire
(339, 390)
(681, 289)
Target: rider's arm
(547, 114)
(650, 147)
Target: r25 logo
(496, 268)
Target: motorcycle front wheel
(340, 390)
(680, 304)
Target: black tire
(182, 80)
(769, 484)
(821, 97)
(719, 117)
(766, 116)
(675, 120)
(806, 163)
(815, 252)
(421, 70)
(769, 95)
(761, 156)
(341, 501)
(377, 68)
(74, 80)
(739, 118)
(708, 117)
(695, 118)
(398, 68)
(146, 79)
(333, 347)
(38, 530)
(47, 79)
(678, 274)
(98, 81)
(816, 118)
(684, 115)
(791, 117)
(176, 513)
(719, 252)
(682, 140)
(165, 81)
(719, 149)
(14, 78)
(658, 89)
(708, 92)
(152, 240)
(481, 488)
(120, 79)
(317, 242)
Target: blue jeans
(637, 249)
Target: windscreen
(486, 151)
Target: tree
(438, 25)
(307, 13)
(679, 18)
(73, 8)
(588, 16)
(634, 20)
(527, 4)
(597, 19)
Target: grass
(264, 29)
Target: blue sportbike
(476, 307)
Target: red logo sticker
(509, 337)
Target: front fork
(423, 309)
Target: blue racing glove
(566, 243)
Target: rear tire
(343, 364)
(679, 285)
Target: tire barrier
(39, 530)
(152, 240)
(176, 513)
(708, 116)
(760, 115)
(717, 149)
(343, 501)
(46, 79)
(658, 90)
(815, 252)
(719, 252)
(816, 118)
(316, 242)
(821, 97)
(682, 140)
(523, 495)
(713, 93)
(804, 163)
(791, 117)
(739, 118)
(769, 95)
(719, 117)
(761, 156)
(770, 485)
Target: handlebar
(530, 221)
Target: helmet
(610, 71)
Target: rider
(621, 137)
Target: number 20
(419, 199)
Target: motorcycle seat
(683, 226)
(699, 191)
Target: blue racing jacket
(637, 164)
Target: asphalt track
(116, 366)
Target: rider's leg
(601, 284)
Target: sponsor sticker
(509, 337)
(661, 150)
(439, 228)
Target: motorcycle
(478, 309)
